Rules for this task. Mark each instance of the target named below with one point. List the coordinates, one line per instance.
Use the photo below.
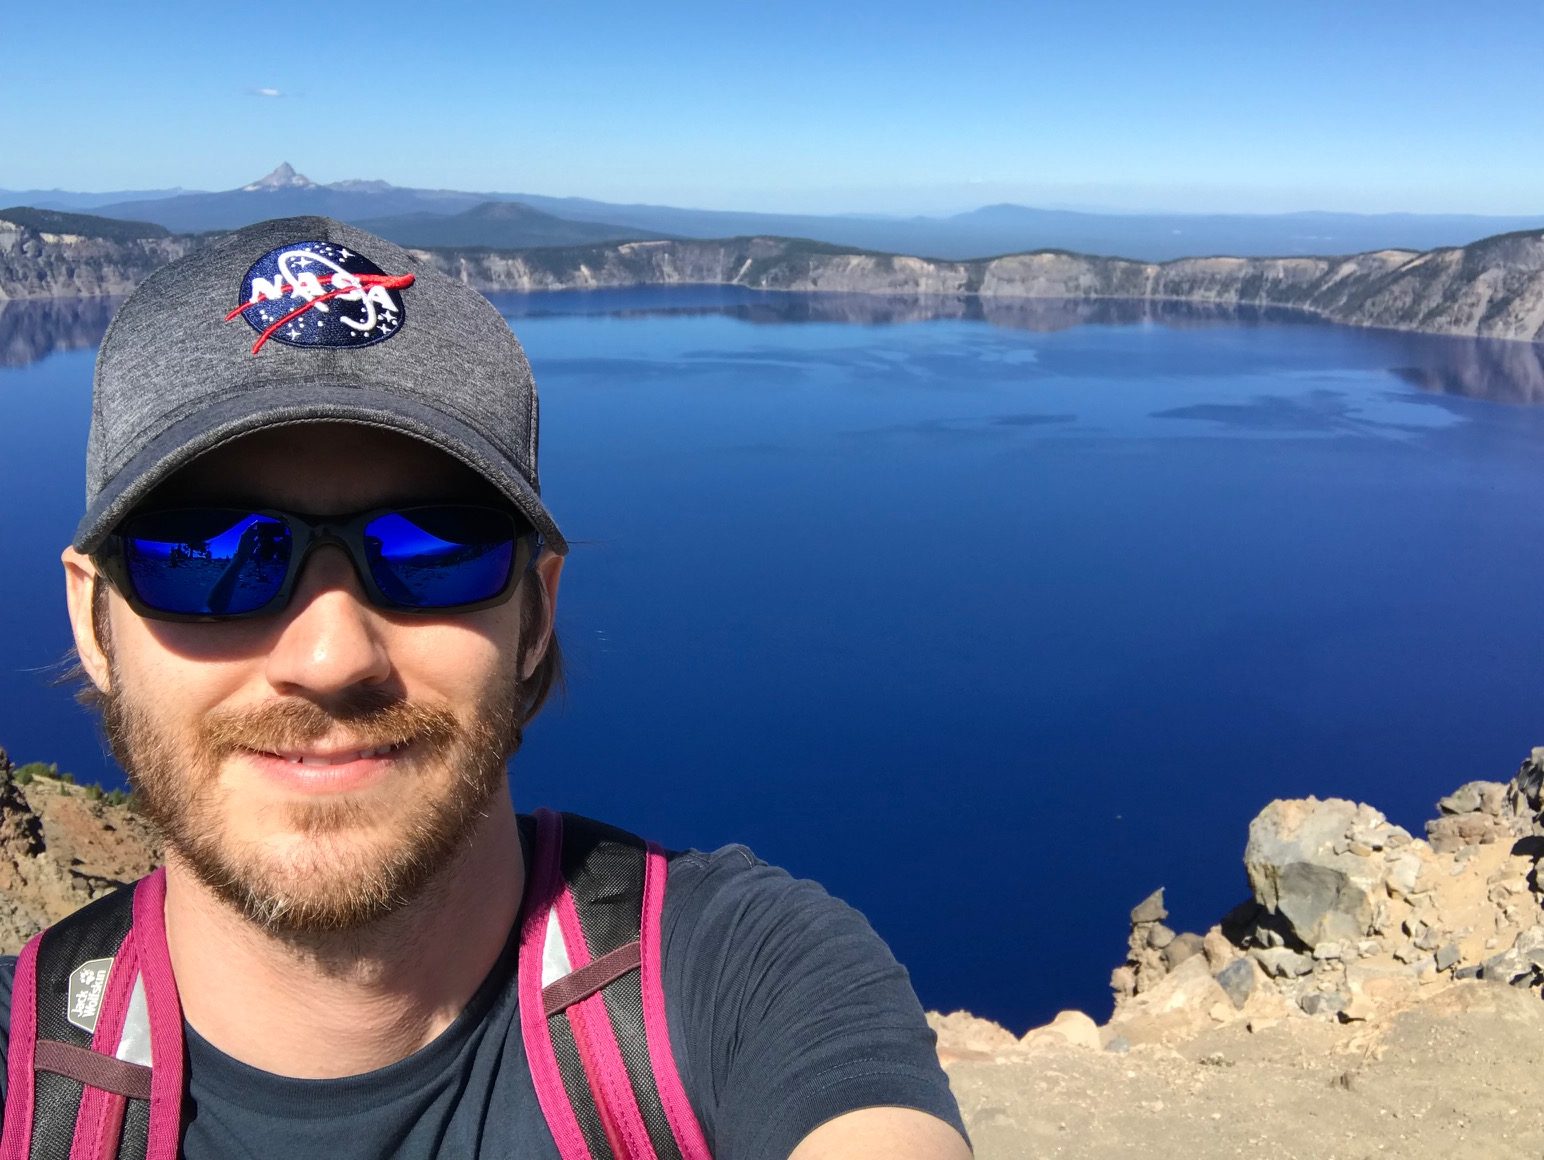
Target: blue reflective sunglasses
(231, 563)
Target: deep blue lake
(993, 622)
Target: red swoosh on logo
(390, 281)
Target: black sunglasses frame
(310, 532)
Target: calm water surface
(992, 622)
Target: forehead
(323, 469)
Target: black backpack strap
(79, 1081)
(591, 995)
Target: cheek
(178, 672)
(167, 677)
(455, 661)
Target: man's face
(316, 768)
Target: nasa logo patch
(321, 294)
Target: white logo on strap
(88, 983)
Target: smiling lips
(310, 771)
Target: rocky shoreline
(1492, 288)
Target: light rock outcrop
(1351, 920)
(1377, 994)
(40, 264)
(1310, 862)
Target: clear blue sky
(828, 106)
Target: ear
(546, 572)
(80, 581)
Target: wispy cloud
(265, 92)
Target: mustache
(369, 717)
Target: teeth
(343, 758)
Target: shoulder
(731, 884)
(786, 1009)
(727, 909)
(700, 880)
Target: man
(314, 590)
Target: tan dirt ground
(1459, 1075)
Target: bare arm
(883, 1134)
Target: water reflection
(32, 330)
(1494, 370)
(1477, 368)
(1037, 314)
(1490, 369)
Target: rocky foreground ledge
(1378, 995)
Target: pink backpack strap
(16, 1142)
(164, 1016)
(591, 996)
(92, 1008)
(691, 1142)
(546, 1073)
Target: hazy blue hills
(985, 232)
(65, 199)
(499, 225)
(192, 213)
(1007, 229)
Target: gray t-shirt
(785, 1010)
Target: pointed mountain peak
(283, 177)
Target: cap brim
(228, 419)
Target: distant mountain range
(438, 217)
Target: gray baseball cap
(303, 320)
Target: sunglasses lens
(208, 562)
(441, 557)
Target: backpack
(95, 1066)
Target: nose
(329, 638)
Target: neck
(335, 1005)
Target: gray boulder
(1282, 962)
(1525, 795)
(1323, 1003)
(1300, 867)
(1475, 797)
(1150, 909)
(1237, 980)
(1452, 832)
(1522, 964)
(1182, 947)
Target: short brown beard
(176, 788)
